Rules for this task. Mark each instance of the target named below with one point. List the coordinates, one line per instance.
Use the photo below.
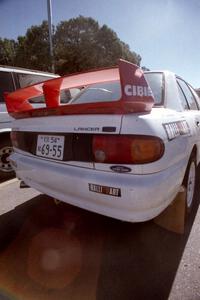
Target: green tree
(111, 48)
(145, 68)
(75, 45)
(7, 51)
(33, 48)
(81, 44)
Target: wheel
(189, 183)
(6, 170)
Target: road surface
(60, 252)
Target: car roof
(159, 71)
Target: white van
(11, 79)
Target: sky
(166, 33)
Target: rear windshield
(99, 92)
(155, 81)
(65, 96)
(111, 91)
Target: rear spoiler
(136, 95)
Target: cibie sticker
(137, 90)
(177, 128)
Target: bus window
(6, 84)
(29, 79)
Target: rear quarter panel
(176, 150)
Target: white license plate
(50, 146)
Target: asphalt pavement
(50, 251)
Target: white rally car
(122, 147)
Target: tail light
(127, 149)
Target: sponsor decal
(120, 169)
(91, 129)
(137, 90)
(177, 128)
(106, 190)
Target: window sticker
(177, 128)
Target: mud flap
(173, 217)
(23, 185)
(56, 201)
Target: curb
(3, 184)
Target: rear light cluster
(127, 149)
(100, 148)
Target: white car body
(132, 192)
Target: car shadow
(50, 251)
(140, 261)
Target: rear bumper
(142, 196)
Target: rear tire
(189, 183)
(6, 170)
